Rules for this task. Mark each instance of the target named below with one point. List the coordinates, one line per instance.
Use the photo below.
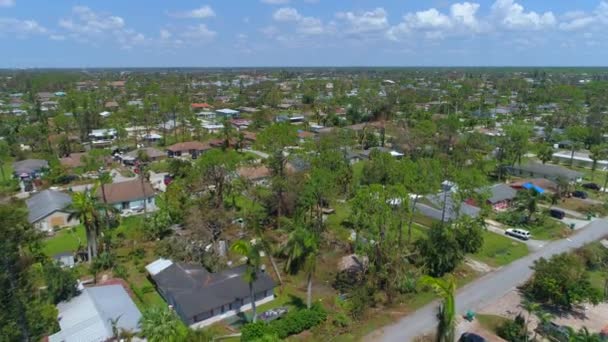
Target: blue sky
(164, 33)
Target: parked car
(273, 314)
(591, 186)
(471, 337)
(518, 233)
(579, 194)
(558, 214)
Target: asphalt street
(488, 288)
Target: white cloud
(465, 13)
(577, 24)
(197, 13)
(21, 28)
(513, 16)
(199, 33)
(275, 2)
(165, 34)
(270, 31)
(310, 26)
(57, 37)
(429, 19)
(461, 20)
(287, 14)
(7, 3)
(88, 26)
(366, 22)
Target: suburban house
(552, 172)
(88, 317)
(48, 209)
(103, 136)
(129, 195)
(255, 174)
(201, 298)
(153, 154)
(227, 113)
(453, 207)
(581, 158)
(500, 196)
(30, 168)
(189, 148)
(540, 184)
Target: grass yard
(65, 240)
(598, 279)
(499, 250)
(550, 229)
(491, 322)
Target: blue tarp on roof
(532, 186)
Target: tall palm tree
(301, 250)
(105, 178)
(528, 201)
(531, 308)
(252, 253)
(86, 209)
(446, 289)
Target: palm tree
(545, 153)
(531, 308)
(597, 152)
(252, 253)
(105, 178)
(159, 324)
(86, 209)
(143, 159)
(528, 201)
(446, 289)
(301, 250)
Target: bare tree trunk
(409, 225)
(276, 269)
(309, 291)
(253, 308)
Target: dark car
(579, 194)
(470, 337)
(591, 186)
(558, 214)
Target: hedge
(292, 323)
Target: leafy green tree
(301, 250)
(252, 253)
(440, 251)
(446, 290)
(596, 153)
(216, 167)
(160, 324)
(514, 330)
(545, 153)
(561, 281)
(577, 135)
(61, 283)
(25, 316)
(527, 201)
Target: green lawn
(500, 250)
(598, 279)
(550, 229)
(65, 240)
(491, 322)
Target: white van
(518, 233)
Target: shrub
(514, 330)
(292, 323)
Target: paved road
(487, 288)
(532, 244)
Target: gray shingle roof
(453, 210)
(500, 192)
(546, 171)
(86, 317)
(193, 290)
(30, 165)
(45, 203)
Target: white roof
(227, 111)
(158, 266)
(86, 317)
(105, 114)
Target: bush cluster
(292, 323)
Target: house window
(149, 200)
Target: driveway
(532, 244)
(488, 288)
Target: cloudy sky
(127, 33)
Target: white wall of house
(57, 219)
(231, 313)
(136, 204)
